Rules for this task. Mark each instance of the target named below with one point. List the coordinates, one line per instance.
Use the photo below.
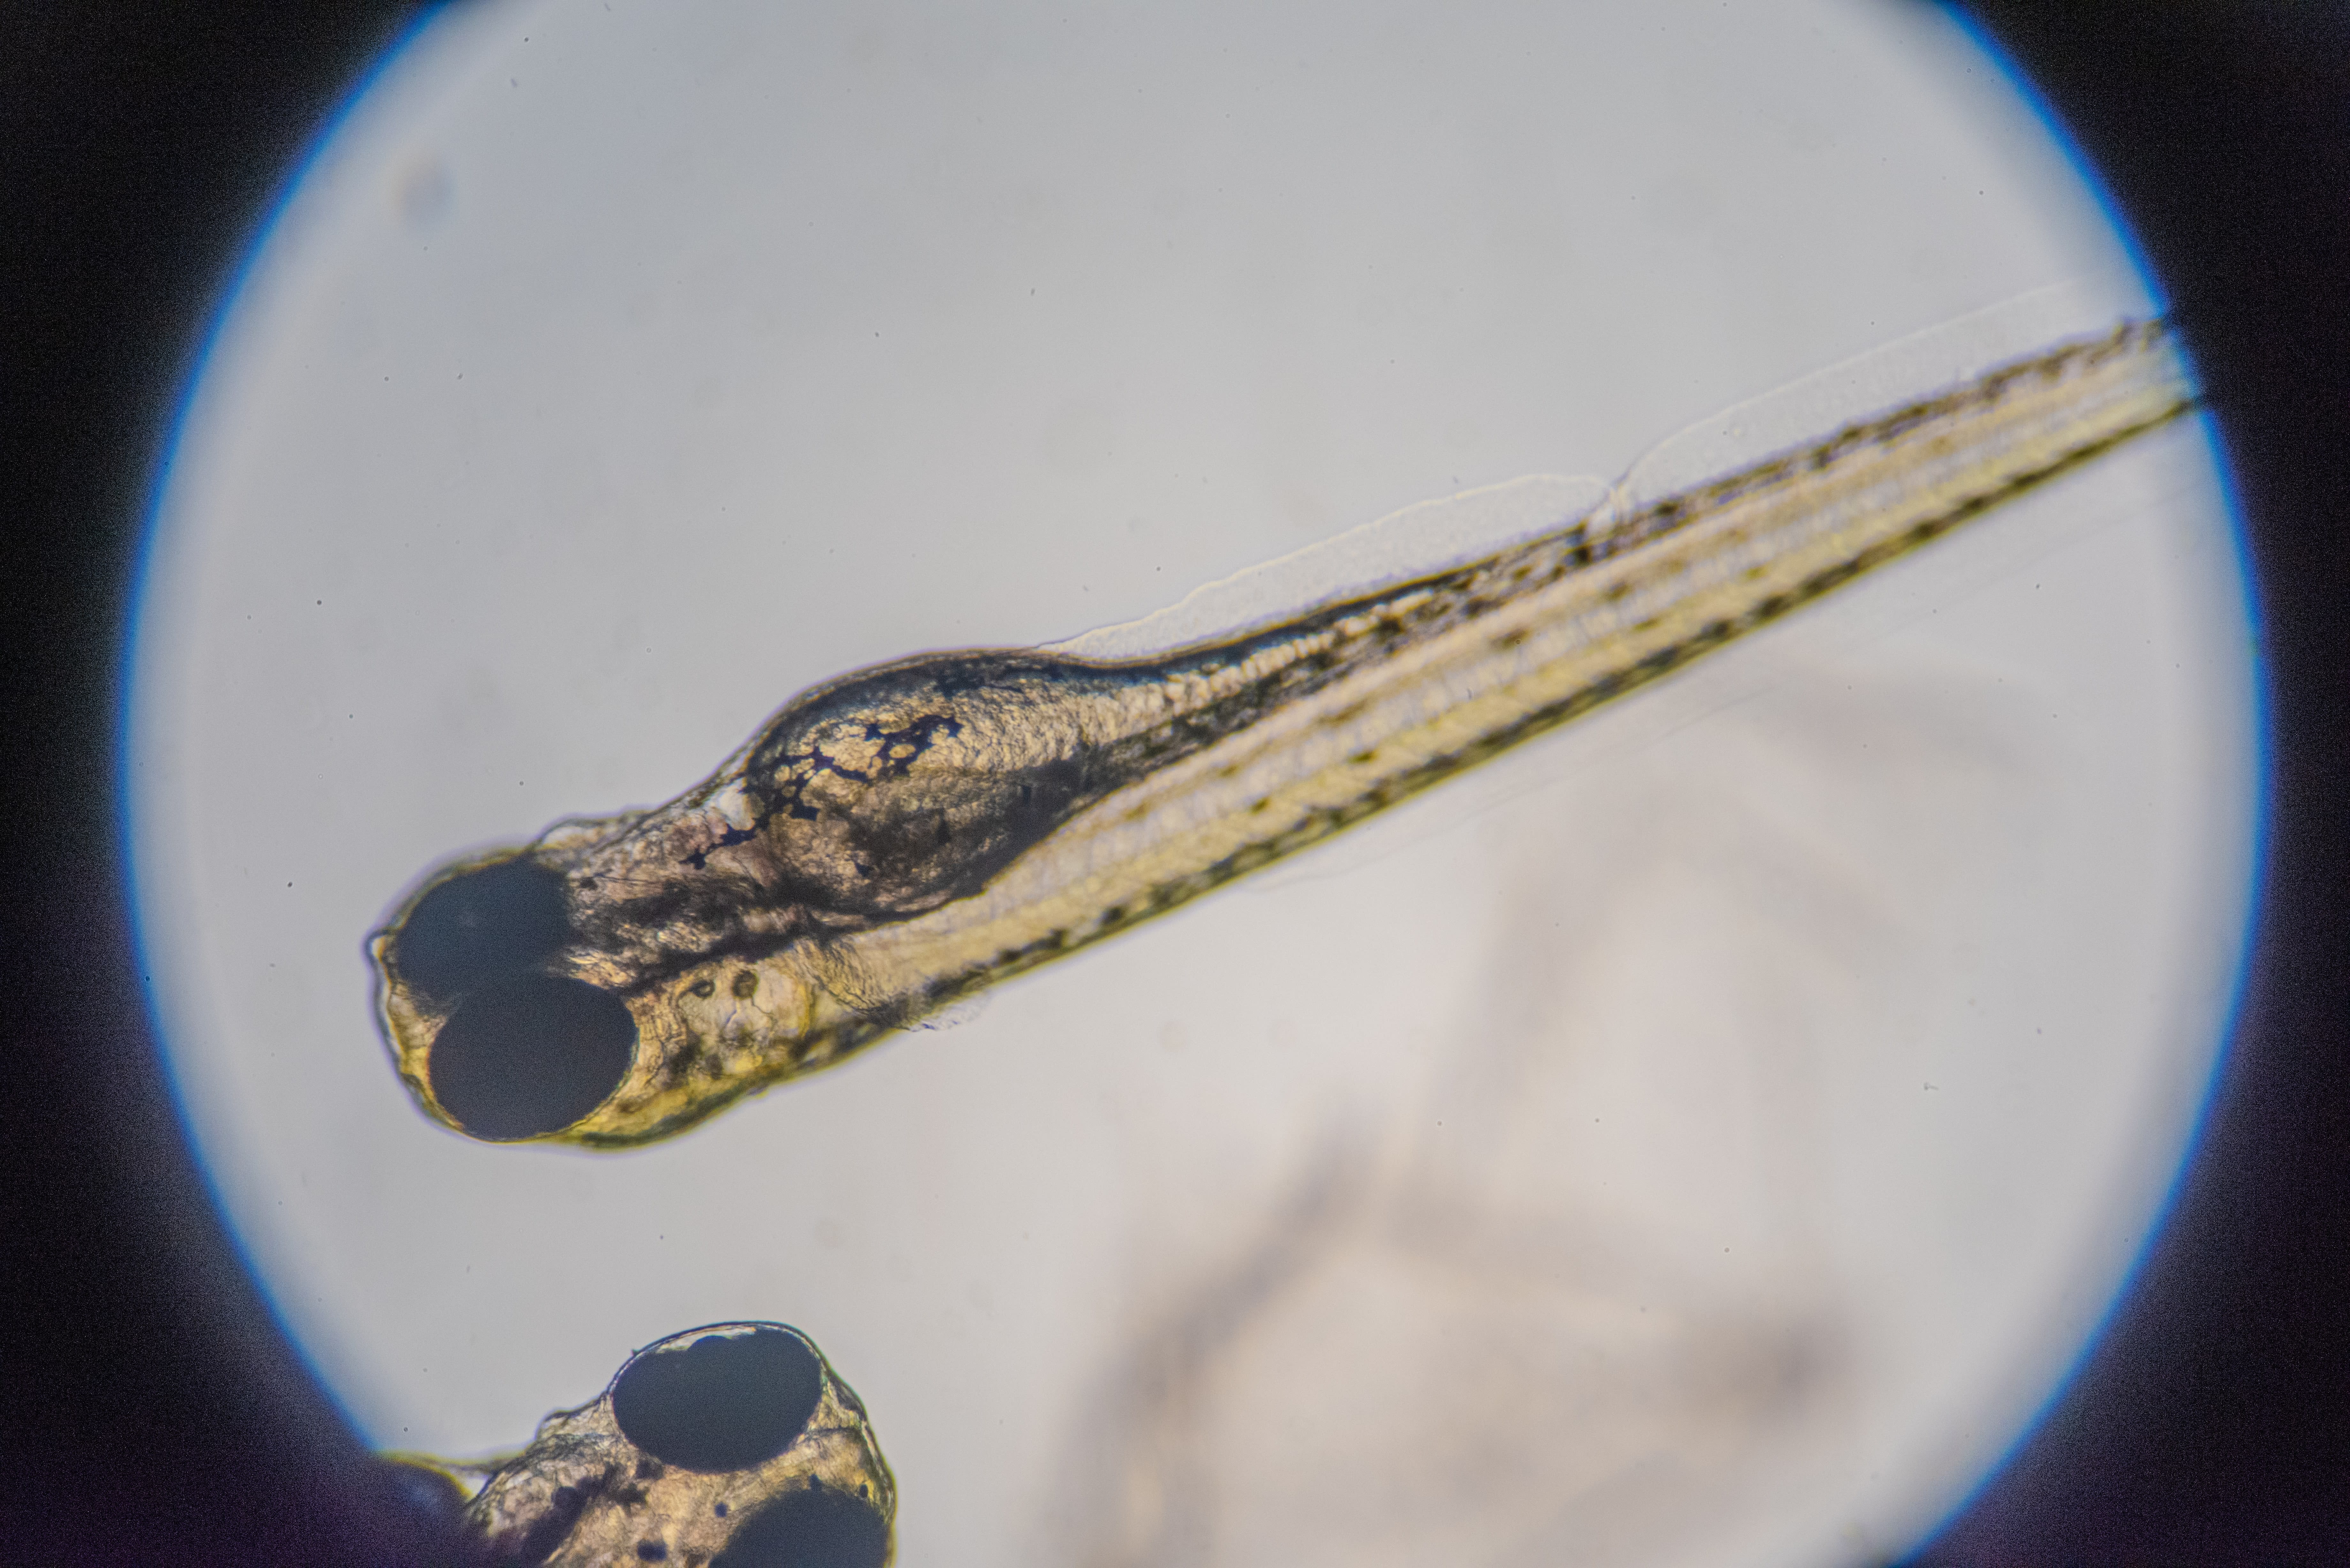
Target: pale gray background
(1703, 1136)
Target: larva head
(512, 1015)
(732, 1444)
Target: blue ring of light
(2263, 773)
(127, 698)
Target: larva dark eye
(528, 1054)
(499, 919)
(817, 1528)
(723, 1402)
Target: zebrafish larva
(898, 838)
(731, 1443)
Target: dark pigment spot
(563, 1510)
(528, 1054)
(723, 1402)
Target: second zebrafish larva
(734, 1443)
(894, 840)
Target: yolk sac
(724, 1402)
(499, 919)
(528, 1054)
(817, 1528)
